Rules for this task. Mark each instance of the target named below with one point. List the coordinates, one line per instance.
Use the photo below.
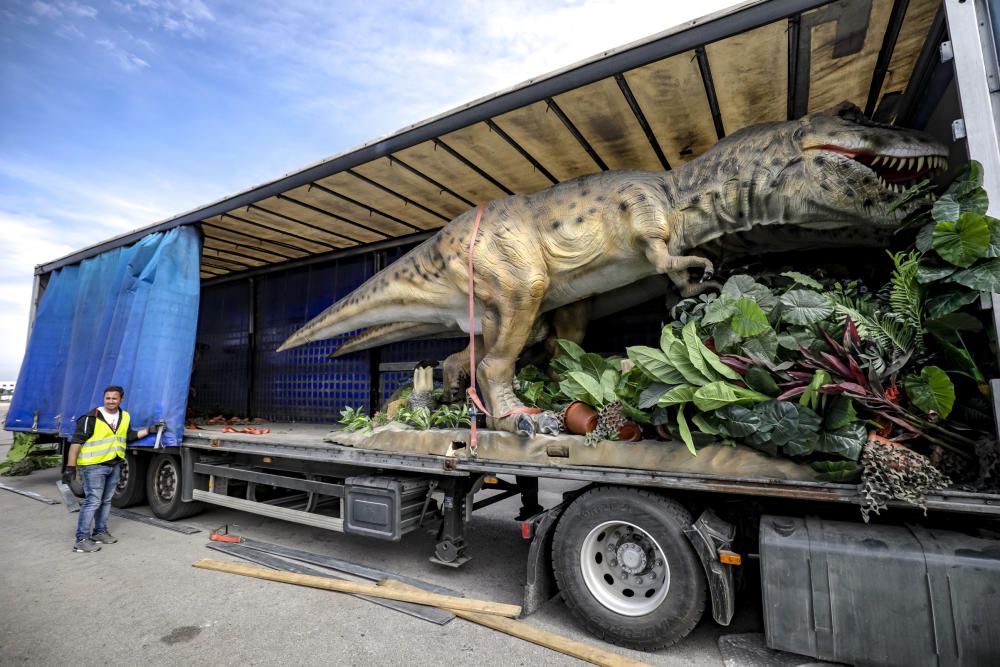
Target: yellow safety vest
(105, 444)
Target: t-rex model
(836, 173)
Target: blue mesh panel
(304, 384)
(219, 381)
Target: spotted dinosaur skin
(831, 174)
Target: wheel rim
(122, 477)
(165, 481)
(624, 568)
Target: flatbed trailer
(636, 553)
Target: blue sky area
(118, 114)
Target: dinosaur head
(852, 169)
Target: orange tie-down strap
(230, 429)
(471, 391)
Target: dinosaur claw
(707, 275)
(548, 423)
(523, 425)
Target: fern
(906, 295)
(884, 329)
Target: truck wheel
(626, 570)
(131, 489)
(163, 489)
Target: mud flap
(540, 584)
(709, 535)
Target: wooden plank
(242, 220)
(306, 212)
(239, 232)
(418, 596)
(530, 633)
(226, 239)
(370, 197)
(301, 230)
(492, 153)
(445, 168)
(919, 16)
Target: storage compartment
(879, 595)
(385, 507)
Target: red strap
(471, 391)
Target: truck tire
(131, 489)
(163, 489)
(626, 570)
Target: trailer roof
(653, 104)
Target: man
(98, 448)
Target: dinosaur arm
(676, 267)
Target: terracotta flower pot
(663, 433)
(580, 419)
(630, 432)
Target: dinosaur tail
(391, 333)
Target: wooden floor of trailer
(306, 442)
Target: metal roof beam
(296, 221)
(554, 108)
(419, 174)
(280, 244)
(885, 54)
(281, 231)
(406, 200)
(633, 104)
(235, 253)
(317, 209)
(371, 209)
(713, 101)
(521, 149)
(927, 59)
(794, 26)
(471, 165)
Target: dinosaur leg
(569, 322)
(676, 268)
(507, 326)
(455, 373)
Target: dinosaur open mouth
(895, 173)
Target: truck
(190, 312)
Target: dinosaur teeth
(920, 163)
(876, 160)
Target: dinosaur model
(831, 176)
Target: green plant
(23, 457)
(592, 379)
(448, 417)
(355, 419)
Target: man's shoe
(103, 538)
(86, 547)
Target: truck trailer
(191, 310)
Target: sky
(117, 114)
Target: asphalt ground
(141, 601)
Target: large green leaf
(737, 421)
(655, 364)
(704, 424)
(802, 444)
(685, 431)
(609, 385)
(726, 340)
(766, 344)
(946, 208)
(984, 277)
(846, 442)
(593, 364)
(593, 392)
(694, 345)
(803, 279)
(667, 338)
(713, 366)
(928, 274)
(678, 356)
(809, 420)
(749, 319)
(925, 237)
(839, 413)
(651, 394)
(974, 201)
(760, 380)
(741, 286)
(964, 241)
(836, 471)
(994, 249)
(677, 396)
(719, 310)
(570, 348)
(780, 419)
(717, 394)
(949, 302)
(805, 307)
(931, 391)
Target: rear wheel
(625, 568)
(163, 489)
(131, 489)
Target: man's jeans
(99, 482)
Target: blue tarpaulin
(127, 317)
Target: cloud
(45, 9)
(186, 18)
(125, 59)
